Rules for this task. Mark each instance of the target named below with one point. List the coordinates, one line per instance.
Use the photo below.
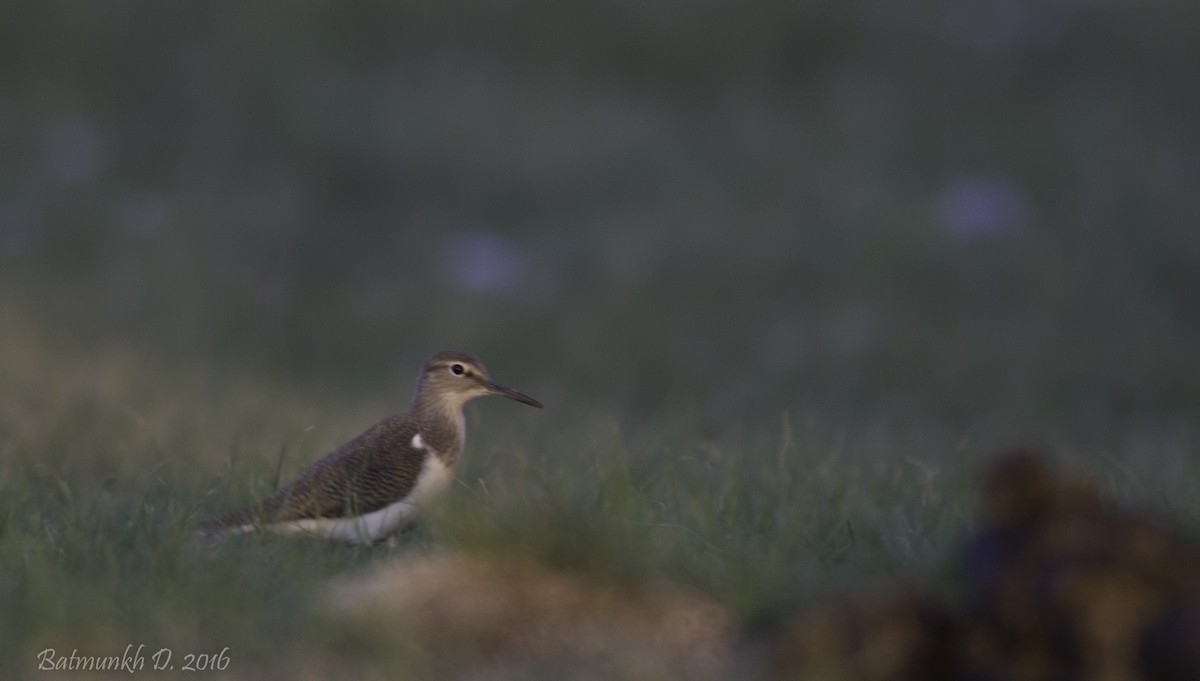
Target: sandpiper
(373, 485)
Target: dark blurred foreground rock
(1060, 584)
(1064, 584)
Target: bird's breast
(434, 478)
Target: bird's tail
(239, 521)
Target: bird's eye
(457, 369)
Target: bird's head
(450, 378)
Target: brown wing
(366, 474)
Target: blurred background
(978, 215)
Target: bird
(373, 485)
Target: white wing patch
(417, 443)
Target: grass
(109, 462)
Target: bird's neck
(442, 426)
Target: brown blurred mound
(1061, 584)
(496, 617)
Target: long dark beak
(498, 389)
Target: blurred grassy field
(783, 275)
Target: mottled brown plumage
(370, 486)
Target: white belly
(434, 478)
